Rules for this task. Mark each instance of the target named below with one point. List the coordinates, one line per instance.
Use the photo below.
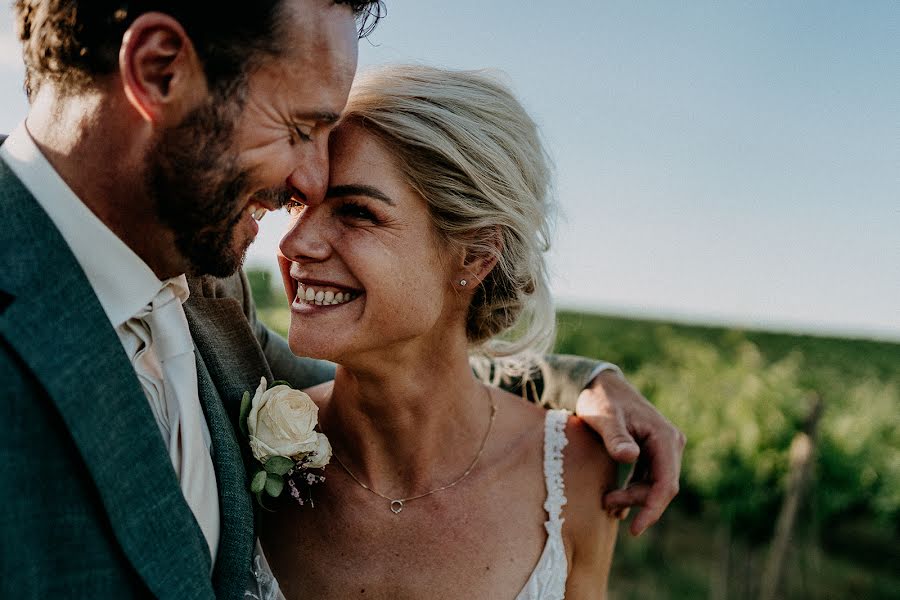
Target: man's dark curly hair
(72, 42)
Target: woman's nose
(307, 238)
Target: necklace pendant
(396, 506)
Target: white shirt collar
(123, 283)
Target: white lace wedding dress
(547, 580)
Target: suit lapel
(55, 323)
(231, 352)
(230, 362)
(236, 537)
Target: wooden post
(802, 459)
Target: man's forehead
(320, 40)
(311, 77)
(306, 18)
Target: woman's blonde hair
(469, 148)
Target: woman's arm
(589, 532)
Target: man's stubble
(197, 187)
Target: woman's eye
(355, 211)
(295, 208)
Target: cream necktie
(166, 367)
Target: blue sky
(717, 163)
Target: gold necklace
(397, 503)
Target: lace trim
(548, 580)
(262, 585)
(554, 442)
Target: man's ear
(161, 73)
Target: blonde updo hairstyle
(467, 146)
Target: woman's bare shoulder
(517, 438)
(589, 532)
(517, 416)
(589, 470)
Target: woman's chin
(304, 349)
(305, 342)
(316, 327)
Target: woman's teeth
(310, 295)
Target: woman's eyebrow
(340, 191)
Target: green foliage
(859, 458)
(263, 289)
(741, 396)
(244, 413)
(278, 465)
(740, 416)
(258, 482)
(278, 319)
(274, 484)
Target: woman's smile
(311, 293)
(322, 294)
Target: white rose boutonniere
(280, 424)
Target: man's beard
(197, 186)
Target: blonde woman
(427, 251)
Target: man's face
(234, 157)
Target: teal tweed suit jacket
(91, 507)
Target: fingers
(662, 450)
(609, 421)
(606, 406)
(633, 495)
(618, 503)
(655, 482)
(658, 499)
(620, 514)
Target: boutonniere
(280, 424)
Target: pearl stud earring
(463, 282)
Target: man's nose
(310, 177)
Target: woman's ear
(477, 269)
(161, 74)
(478, 263)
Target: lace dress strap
(554, 443)
(548, 580)
(262, 585)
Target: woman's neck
(409, 428)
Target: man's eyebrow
(318, 116)
(341, 191)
